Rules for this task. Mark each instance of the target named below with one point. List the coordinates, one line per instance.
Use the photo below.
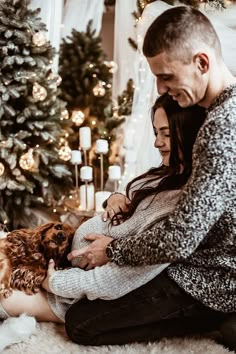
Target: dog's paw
(5, 291)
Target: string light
(78, 117)
(65, 152)
(65, 114)
(99, 89)
(2, 168)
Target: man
(198, 239)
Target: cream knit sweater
(109, 281)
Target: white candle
(100, 197)
(76, 157)
(90, 197)
(101, 146)
(86, 173)
(114, 173)
(85, 138)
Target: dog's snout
(61, 236)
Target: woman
(152, 196)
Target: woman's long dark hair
(184, 124)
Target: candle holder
(76, 160)
(101, 149)
(85, 157)
(101, 172)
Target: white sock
(16, 329)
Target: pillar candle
(90, 197)
(85, 138)
(101, 146)
(76, 157)
(100, 197)
(114, 173)
(86, 173)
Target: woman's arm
(107, 282)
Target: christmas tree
(32, 117)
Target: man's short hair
(177, 31)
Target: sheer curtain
(138, 141)
(140, 153)
(51, 14)
(77, 14)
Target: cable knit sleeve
(107, 282)
(204, 200)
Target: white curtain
(77, 14)
(124, 54)
(51, 14)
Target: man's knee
(228, 331)
(77, 328)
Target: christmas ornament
(77, 117)
(65, 114)
(39, 39)
(27, 160)
(2, 168)
(58, 80)
(56, 77)
(39, 92)
(99, 89)
(65, 152)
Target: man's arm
(203, 201)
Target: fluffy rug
(51, 338)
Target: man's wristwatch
(110, 249)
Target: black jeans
(158, 309)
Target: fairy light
(78, 117)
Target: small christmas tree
(86, 87)
(32, 120)
(86, 81)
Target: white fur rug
(51, 339)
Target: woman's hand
(50, 271)
(115, 203)
(93, 255)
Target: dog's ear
(41, 229)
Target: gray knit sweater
(199, 237)
(109, 281)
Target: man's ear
(202, 62)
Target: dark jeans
(157, 309)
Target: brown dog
(25, 253)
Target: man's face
(184, 82)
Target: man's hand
(93, 255)
(50, 271)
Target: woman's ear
(202, 62)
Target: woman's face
(162, 133)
